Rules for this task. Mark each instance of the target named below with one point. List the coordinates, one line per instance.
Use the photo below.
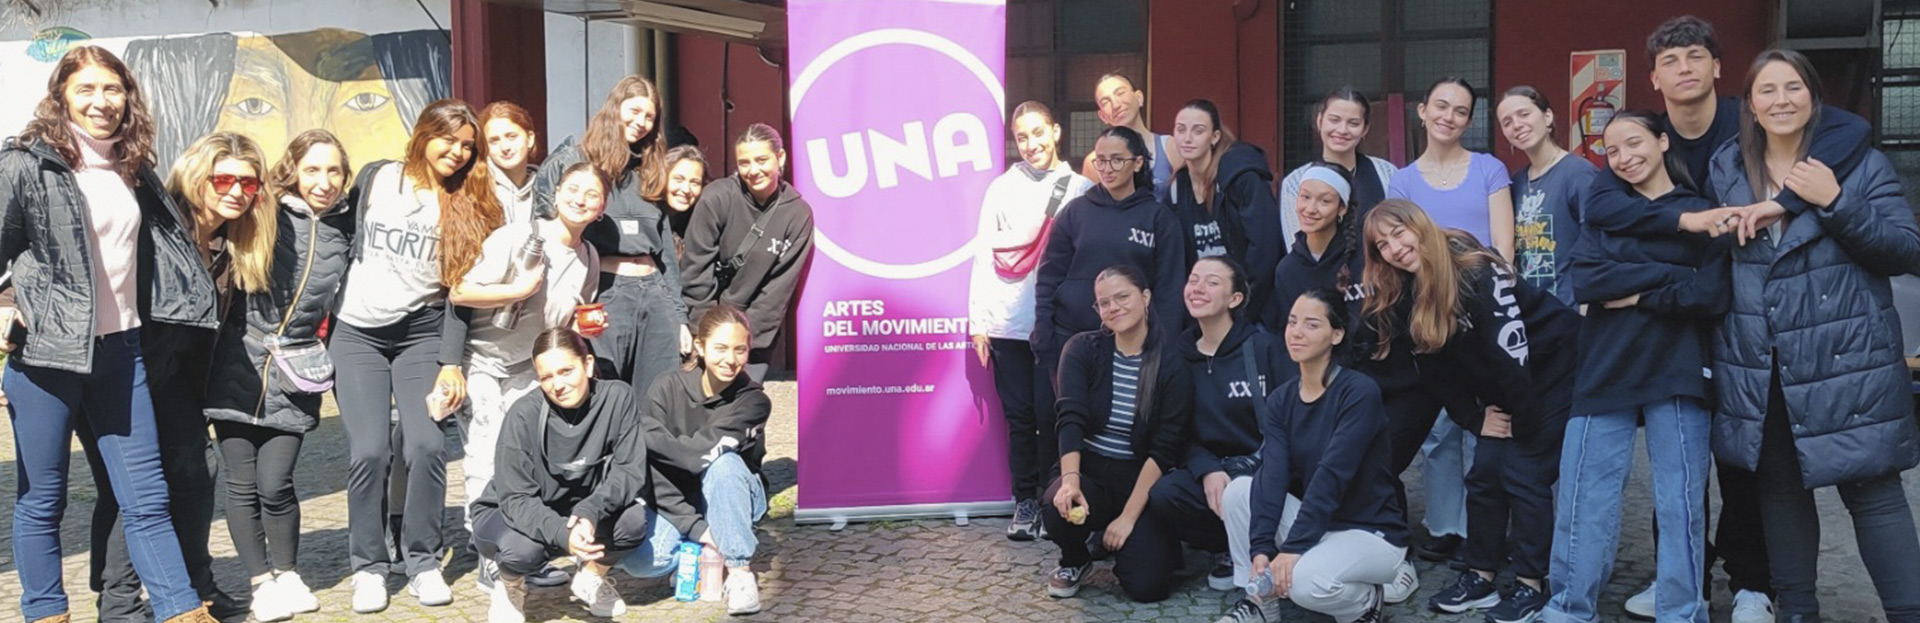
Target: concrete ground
(869, 573)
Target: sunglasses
(223, 183)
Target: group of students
(596, 327)
(1186, 365)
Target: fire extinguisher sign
(1599, 89)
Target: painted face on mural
(274, 95)
(1686, 74)
(760, 166)
(447, 154)
(684, 183)
(637, 117)
(225, 192)
(322, 175)
(96, 100)
(508, 144)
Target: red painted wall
(495, 48)
(705, 69)
(1198, 50)
(1533, 38)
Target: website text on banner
(898, 109)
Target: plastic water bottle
(712, 571)
(1261, 586)
(525, 260)
(686, 575)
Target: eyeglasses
(223, 184)
(1111, 302)
(1112, 164)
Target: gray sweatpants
(1337, 577)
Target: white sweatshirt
(1012, 213)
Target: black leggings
(263, 512)
(379, 369)
(1141, 562)
(522, 555)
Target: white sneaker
(1640, 605)
(430, 588)
(509, 600)
(597, 590)
(1406, 580)
(299, 598)
(269, 604)
(743, 591)
(369, 592)
(1752, 607)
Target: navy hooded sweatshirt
(1242, 215)
(1226, 402)
(1333, 455)
(1515, 350)
(1659, 348)
(1300, 272)
(1093, 232)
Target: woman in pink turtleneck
(97, 252)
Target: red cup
(590, 319)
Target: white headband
(1328, 176)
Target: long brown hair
(514, 114)
(1437, 302)
(1753, 139)
(51, 126)
(250, 237)
(469, 212)
(285, 178)
(605, 144)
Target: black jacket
(1517, 350)
(1816, 308)
(45, 239)
(770, 277)
(309, 264)
(1243, 206)
(531, 489)
(1657, 349)
(1300, 271)
(1333, 455)
(686, 430)
(1091, 233)
(1086, 397)
(1226, 402)
(632, 225)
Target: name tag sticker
(629, 227)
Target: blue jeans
(732, 501)
(115, 405)
(1449, 450)
(1594, 463)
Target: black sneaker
(1440, 548)
(1522, 604)
(1220, 578)
(1468, 592)
(1065, 581)
(550, 576)
(1249, 611)
(1026, 515)
(1373, 613)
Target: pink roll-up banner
(898, 127)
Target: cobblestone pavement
(869, 573)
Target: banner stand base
(960, 512)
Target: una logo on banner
(876, 157)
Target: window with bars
(1898, 86)
(1384, 48)
(1057, 49)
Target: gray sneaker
(1249, 611)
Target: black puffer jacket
(310, 257)
(44, 240)
(1816, 307)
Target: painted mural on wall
(366, 88)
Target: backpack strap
(1059, 193)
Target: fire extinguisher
(1593, 114)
